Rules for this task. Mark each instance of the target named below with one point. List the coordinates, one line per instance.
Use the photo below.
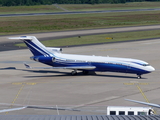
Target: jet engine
(59, 50)
(43, 59)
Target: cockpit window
(140, 63)
(145, 64)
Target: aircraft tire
(74, 73)
(85, 72)
(139, 76)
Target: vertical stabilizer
(36, 47)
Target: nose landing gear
(139, 76)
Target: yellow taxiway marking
(21, 88)
(30, 83)
(142, 93)
(145, 97)
(136, 83)
(24, 83)
(17, 83)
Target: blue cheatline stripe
(35, 48)
(138, 63)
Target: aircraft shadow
(8, 68)
(29, 70)
(60, 74)
(79, 74)
(119, 76)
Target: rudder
(36, 47)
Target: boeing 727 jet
(53, 57)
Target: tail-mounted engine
(58, 50)
(43, 59)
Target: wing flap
(71, 67)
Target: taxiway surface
(19, 85)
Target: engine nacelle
(43, 59)
(59, 50)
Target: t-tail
(36, 47)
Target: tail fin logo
(36, 47)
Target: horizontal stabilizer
(144, 103)
(21, 38)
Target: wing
(144, 103)
(52, 108)
(71, 67)
(66, 109)
(12, 109)
(49, 108)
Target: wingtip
(27, 65)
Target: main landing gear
(85, 72)
(74, 72)
(139, 76)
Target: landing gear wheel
(74, 72)
(139, 76)
(85, 72)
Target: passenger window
(121, 113)
(112, 112)
(142, 113)
(130, 113)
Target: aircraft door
(128, 66)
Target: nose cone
(151, 69)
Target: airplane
(36, 107)
(12, 109)
(55, 58)
(108, 111)
(145, 103)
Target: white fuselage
(85, 63)
(119, 63)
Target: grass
(77, 7)
(129, 5)
(35, 24)
(28, 9)
(102, 38)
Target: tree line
(49, 2)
